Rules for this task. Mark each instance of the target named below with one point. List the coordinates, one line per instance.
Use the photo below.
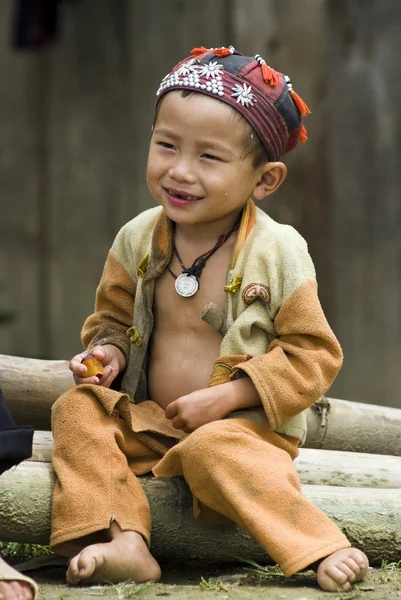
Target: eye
(210, 157)
(166, 145)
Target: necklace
(187, 284)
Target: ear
(272, 175)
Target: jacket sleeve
(301, 362)
(114, 308)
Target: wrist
(243, 394)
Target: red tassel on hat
(303, 136)
(269, 75)
(200, 50)
(222, 51)
(302, 107)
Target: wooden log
(348, 469)
(315, 467)
(31, 386)
(354, 426)
(42, 447)
(371, 518)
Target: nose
(182, 170)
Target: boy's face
(196, 166)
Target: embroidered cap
(263, 96)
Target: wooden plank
(20, 226)
(364, 128)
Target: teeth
(184, 197)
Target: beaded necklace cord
(199, 263)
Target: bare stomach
(180, 363)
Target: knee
(210, 441)
(70, 405)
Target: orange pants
(233, 467)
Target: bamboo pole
(371, 518)
(31, 386)
(315, 467)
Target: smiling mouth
(182, 196)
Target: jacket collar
(163, 240)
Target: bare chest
(174, 311)
(183, 346)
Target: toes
(362, 561)
(14, 590)
(358, 556)
(342, 568)
(86, 564)
(358, 562)
(353, 565)
(26, 592)
(350, 573)
(339, 577)
(331, 579)
(73, 571)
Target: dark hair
(253, 146)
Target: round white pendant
(186, 285)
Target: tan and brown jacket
(273, 328)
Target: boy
(208, 308)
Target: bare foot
(125, 557)
(341, 569)
(15, 590)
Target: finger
(108, 378)
(171, 411)
(79, 371)
(79, 380)
(107, 373)
(98, 351)
(178, 423)
(76, 365)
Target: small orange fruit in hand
(94, 366)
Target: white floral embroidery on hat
(195, 75)
(187, 68)
(244, 94)
(211, 69)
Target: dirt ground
(228, 584)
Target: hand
(211, 404)
(112, 359)
(198, 408)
